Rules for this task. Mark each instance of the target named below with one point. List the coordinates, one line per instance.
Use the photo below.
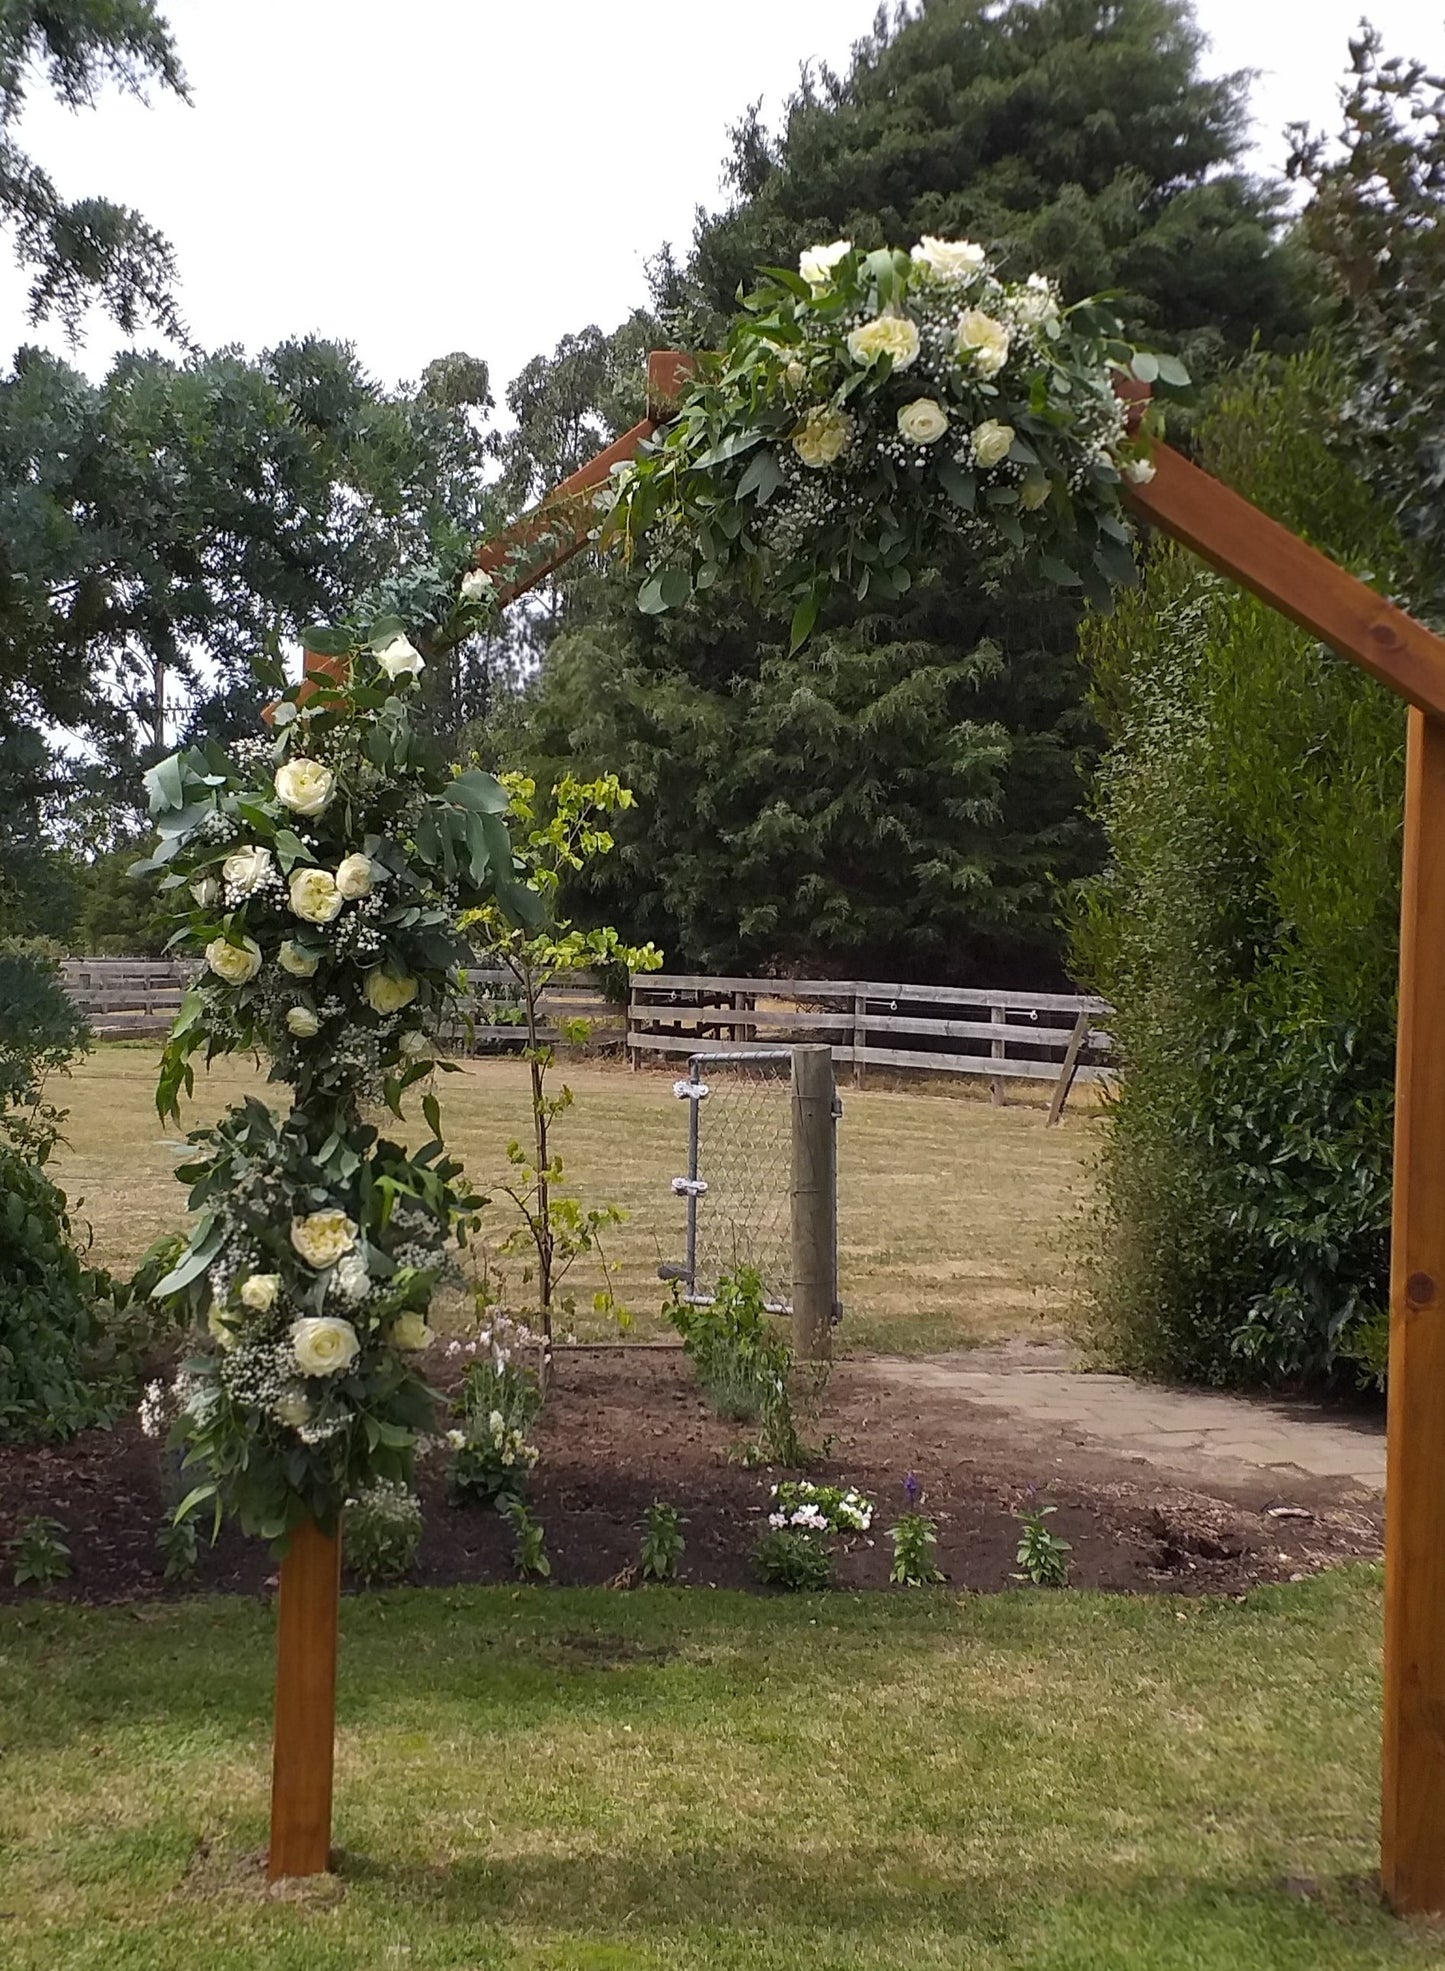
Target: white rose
(456, 1440)
(304, 786)
(984, 341)
(822, 436)
(415, 1046)
(206, 891)
(885, 335)
(301, 1021)
(387, 994)
(222, 1333)
(816, 264)
(353, 877)
(410, 1332)
(297, 960)
(949, 260)
(1138, 472)
(247, 869)
(400, 658)
(1036, 301)
(477, 585)
(991, 441)
(292, 1407)
(314, 895)
(323, 1236)
(259, 1291)
(323, 1345)
(236, 964)
(352, 1280)
(923, 422)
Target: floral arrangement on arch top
(871, 405)
(318, 875)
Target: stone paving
(1202, 1433)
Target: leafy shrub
(1245, 931)
(179, 1545)
(529, 1553)
(382, 1531)
(39, 1553)
(742, 1361)
(915, 1542)
(1042, 1555)
(662, 1542)
(801, 1562)
(41, 1033)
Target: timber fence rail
(1001, 1035)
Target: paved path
(1202, 1433)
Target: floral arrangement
(874, 404)
(802, 1506)
(318, 875)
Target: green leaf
(327, 642)
(650, 598)
(165, 785)
(482, 792)
(676, 587)
(1054, 570)
(1145, 366)
(762, 478)
(960, 486)
(804, 617)
(1173, 372)
(432, 1110)
(731, 447)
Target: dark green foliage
(1043, 1555)
(49, 1310)
(41, 1032)
(38, 1553)
(1246, 931)
(799, 1563)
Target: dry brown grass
(955, 1218)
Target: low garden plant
(501, 1398)
(381, 1531)
(662, 1541)
(38, 1553)
(915, 1542)
(795, 1559)
(178, 1542)
(805, 1521)
(1043, 1555)
(529, 1551)
(743, 1362)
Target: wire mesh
(739, 1171)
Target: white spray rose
(386, 993)
(949, 260)
(222, 1333)
(991, 441)
(292, 1407)
(237, 964)
(259, 1291)
(351, 1279)
(323, 1344)
(353, 877)
(410, 1332)
(477, 585)
(885, 335)
(822, 436)
(314, 895)
(323, 1236)
(982, 341)
(304, 786)
(206, 891)
(297, 960)
(1036, 302)
(247, 869)
(1138, 472)
(923, 422)
(415, 1046)
(400, 658)
(816, 263)
(301, 1021)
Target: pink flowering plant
(317, 876)
(873, 406)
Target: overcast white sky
(377, 171)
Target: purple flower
(912, 1489)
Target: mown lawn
(956, 1219)
(567, 1781)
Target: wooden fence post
(303, 1757)
(814, 1204)
(1412, 1858)
(1070, 1067)
(998, 1049)
(860, 1035)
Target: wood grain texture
(1413, 1805)
(307, 1626)
(560, 525)
(813, 1204)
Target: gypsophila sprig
(875, 405)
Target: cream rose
(823, 436)
(297, 960)
(352, 1280)
(1036, 301)
(477, 585)
(816, 263)
(259, 1290)
(885, 335)
(323, 1236)
(353, 877)
(991, 441)
(385, 993)
(400, 658)
(949, 260)
(247, 869)
(323, 1344)
(292, 1407)
(982, 340)
(222, 1333)
(314, 895)
(301, 1021)
(410, 1331)
(206, 891)
(923, 422)
(237, 964)
(415, 1046)
(304, 786)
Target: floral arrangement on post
(318, 874)
(871, 405)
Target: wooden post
(860, 1035)
(814, 1200)
(301, 1769)
(1069, 1069)
(998, 1049)
(1412, 1861)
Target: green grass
(670, 1780)
(956, 1219)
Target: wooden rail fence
(933, 1029)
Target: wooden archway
(1240, 541)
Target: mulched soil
(622, 1428)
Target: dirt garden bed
(623, 1428)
